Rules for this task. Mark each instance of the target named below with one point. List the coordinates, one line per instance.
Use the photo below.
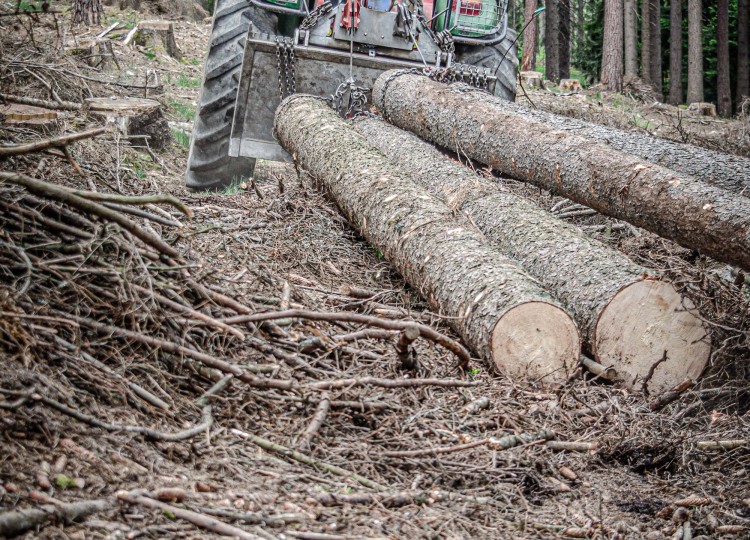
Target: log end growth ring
(650, 333)
(538, 341)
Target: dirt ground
(458, 455)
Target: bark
(588, 277)
(676, 206)
(631, 38)
(726, 171)
(656, 69)
(743, 51)
(580, 21)
(695, 52)
(724, 94)
(675, 52)
(612, 48)
(563, 14)
(498, 309)
(528, 62)
(646, 41)
(551, 41)
(88, 12)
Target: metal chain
(285, 65)
(315, 15)
(279, 67)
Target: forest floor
(281, 242)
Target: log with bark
(676, 206)
(628, 317)
(498, 309)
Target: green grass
(642, 123)
(184, 111)
(181, 137)
(188, 82)
(234, 187)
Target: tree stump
(141, 120)
(703, 109)
(96, 52)
(570, 85)
(155, 35)
(532, 79)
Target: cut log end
(538, 341)
(645, 323)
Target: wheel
(209, 163)
(503, 66)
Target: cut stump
(140, 119)
(155, 35)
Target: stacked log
(627, 316)
(673, 205)
(498, 309)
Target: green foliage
(184, 111)
(181, 137)
(587, 56)
(188, 82)
(63, 481)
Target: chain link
(285, 65)
(315, 15)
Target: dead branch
(388, 383)
(503, 443)
(17, 522)
(324, 405)
(138, 200)
(406, 355)
(56, 142)
(199, 520)
(397, 499)
(424, 330)
(54, 105)
(672, 395)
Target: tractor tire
(209, 165)
(503, 66)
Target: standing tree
(612, 48)
(631, 38)
(551, 41)
(563, 42)
(695, 52)
(87, 12)
(528, 61)
(723, 88)
(655, 63)
(646, 41)
(743, 51)
(675, 52)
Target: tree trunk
(646, 41)
(528, 62)
(723, 88)
(551, 41)
(581, 20)
(695, 52)
(88, 12)
(498, 309)
(563, 14)
(612, 48)
(675, 52)
(743, 51)
(657, 76)
(631, 38)
(596, 283)
(678, 207)
(725, 171)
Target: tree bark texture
(612, 49)
(587, 276)
(657, 76)
(88, 12)
(563, 14)
(675, 52)
(498, 309)
(631, 38)
(646, 41)
(743, 50)
(695, 52)
(678, 207)
(723, 88)
(551, 41)
(528, 61)
(726, 171)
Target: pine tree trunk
(695, 52)
(612, 48)
(631, 38)
(657, 76)
(581, 20)
(646, 41)
(675, 52)
(88, 12)
(499, 310)
(723, 87)
(564, 39)
(551, 41)
(528, 62)
(675, 206)
(591, 279)
(743, 51)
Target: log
(673, 205)
(499, 310)
(627, 316)
(140, 119)
(27, 115)
(726, 171)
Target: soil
(280, 233)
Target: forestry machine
(264, 50)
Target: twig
(503, 443)
(672, 395)
(424, 330)
(57, 142)
(199, 520)
(307, 460)
(605, 372)
(722, 445)
(400, 498)
(388, 383)
(138, 200)
(324, 405)
(17, 522)
(215, 389)
(572, 446)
